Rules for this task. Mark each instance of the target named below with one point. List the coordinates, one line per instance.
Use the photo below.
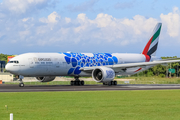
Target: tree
(3, 57)
(160, 70)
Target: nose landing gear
(21, 84)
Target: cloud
(85, 6)
(53, 30)
(52, 18)
(19, 7)
(172, 21)
(124, 5)
(82, 30)
(103, 30)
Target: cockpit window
(13, 62)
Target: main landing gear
(110, 83)
(77, 82)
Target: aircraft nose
(7, 67)
(12, 69)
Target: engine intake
(103, 74)
(46, 79)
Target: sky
(115, 26)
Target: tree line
(3, 57)
(162, 70)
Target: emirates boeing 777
(103, 67)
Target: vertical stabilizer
(151, 46)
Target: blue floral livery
(78, 60)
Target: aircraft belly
(85, 74)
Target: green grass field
(154, 80)
(105, 105)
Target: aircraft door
(31, 63)
(121, 61)
(62, 67)
(50, 68)
(62, 63)
(57, 63)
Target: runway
(41, 88)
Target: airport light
(11, 116)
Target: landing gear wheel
(82, 82)
(72, 83)
(112, 82)
(75, 82)
(79, 83)
(21, 84)
(115, 82)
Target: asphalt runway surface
(40, 88)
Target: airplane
(103, 67)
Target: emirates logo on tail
(151, 47)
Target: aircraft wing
(131, 65)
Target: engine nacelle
(103, 74)
(46, 79)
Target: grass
(154, 80)
(91, 105)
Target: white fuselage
(66, 64)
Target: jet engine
(103, 74)
(46, 79)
